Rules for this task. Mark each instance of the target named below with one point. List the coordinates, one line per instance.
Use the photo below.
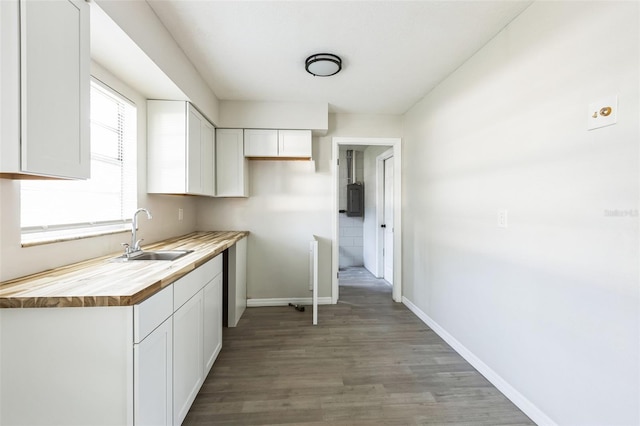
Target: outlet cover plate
(503, 218)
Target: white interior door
(387, 223)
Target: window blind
(54, 209)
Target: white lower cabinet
(112, 365)
(153, 360)
(187, 356)
(237, 300)
(212, 324)
(197, 332)
(66, 366)
(172, 361)
(153, 381)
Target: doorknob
(383, 226)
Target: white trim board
(503, 386)
(257, 303)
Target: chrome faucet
(134, 246)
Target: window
(58, 209)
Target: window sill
(42, 238)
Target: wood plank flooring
(370, 361)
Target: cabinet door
(231, 165)
(153, 381)
(166, 147)
(208, 160)
(294, 143)
(212, 322)
(54, 44)
(194, 152)
(237, 302)
(9, 88)
(260, 143)
(188, 373)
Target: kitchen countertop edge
(206, 246)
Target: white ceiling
(393, 52)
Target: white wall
(16, 261)
(274, 115)
(139, 21)
(289, 202)
(365, 125)
(550, 304)
(349, 228)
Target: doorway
(389, 160)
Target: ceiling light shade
(323, 64)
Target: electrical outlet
(503, 218)
(180, 214)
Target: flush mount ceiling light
(323, 64)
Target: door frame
(395, 143)
(380, 210)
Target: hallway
(369, 361)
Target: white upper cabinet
(259, 143)
(180, 149)
(194, 145)
(44, 86)
(294, 143)
(208, 159)
(231, 165)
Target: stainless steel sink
(154, 255)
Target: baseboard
(255, 303)
(509, 391)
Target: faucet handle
(136, 247)
(126, 247)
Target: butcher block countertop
(103, 282)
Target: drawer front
(186, 287)
(148, 315)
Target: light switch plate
(503, 218)
(603, 113)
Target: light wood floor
(370, 361)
